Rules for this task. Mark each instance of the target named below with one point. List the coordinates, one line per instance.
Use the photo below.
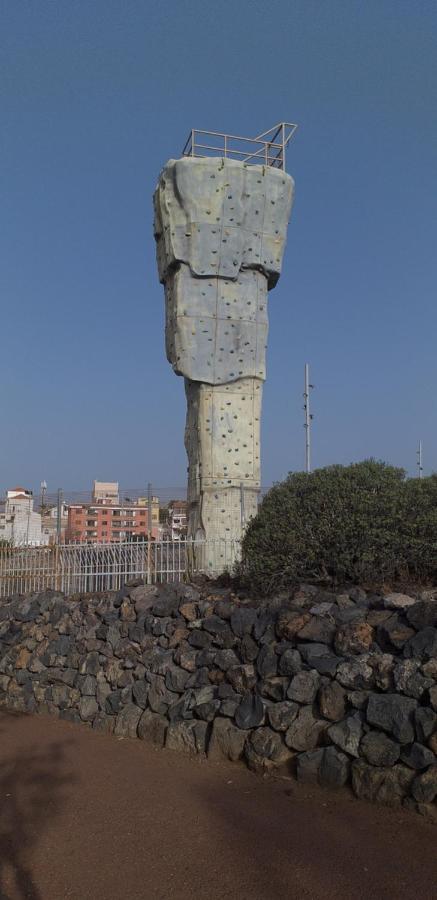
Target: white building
(19, 524)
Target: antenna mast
(420, 460)
(308, 418)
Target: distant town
(102, 518)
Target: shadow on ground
(31, 794)
(316, 845)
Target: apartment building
(108, 523)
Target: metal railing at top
(85, 568)
(268, 148)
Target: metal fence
(84, 568)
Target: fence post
(189, 558)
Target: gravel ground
(85, 815)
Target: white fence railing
(84, 568)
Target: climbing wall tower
(221, 215)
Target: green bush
(361, 523)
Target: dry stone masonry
(220, 227)
(336, 689)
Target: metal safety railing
(268, 148)
(84, 568)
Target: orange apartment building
(101, 524)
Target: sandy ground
(85, 815)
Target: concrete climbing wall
(216, 328)
(222, 439)
(220, 228)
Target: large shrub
(365, 522)
(420, 527)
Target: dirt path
(88, 816)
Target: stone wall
(335, 688)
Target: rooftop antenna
(420, 460)
(308, 418)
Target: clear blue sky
(96, 96)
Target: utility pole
(149, 511)
(308, 418)
(420, 460)
(59, 516)
(28, 521)
(43, 496)
(149, 533)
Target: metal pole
(43, 495)
(28, 521)
(149, 532)
(420, 460)
(149, 510)
(308, 419)
(59, 516)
